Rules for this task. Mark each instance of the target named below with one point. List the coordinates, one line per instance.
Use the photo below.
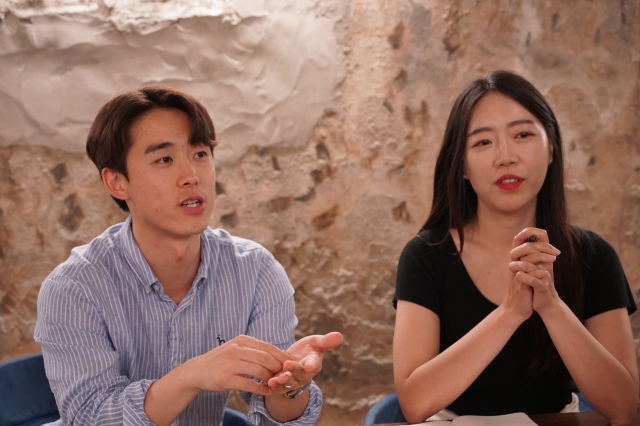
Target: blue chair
(235, 418)
(25, 396)
(583, 404)
(387, 410)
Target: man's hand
(221, 369)
(307, 354)
(226, 367)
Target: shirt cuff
(258, 414)
(133, 407)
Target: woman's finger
(539, 234)
(520, 266)
(537, 258)
(532, 248)
(534, 279)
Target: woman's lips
(509, 182)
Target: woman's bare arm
(601, 359)
(427, 381)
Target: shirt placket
(175, 357)
(174, 338)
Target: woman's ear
(550, 153)
(115, 183)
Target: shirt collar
(206, 259)
(141, 268)
(134, 257)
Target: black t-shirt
(433, 276)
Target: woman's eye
(482, 143)
(202, 154)
(522, 135)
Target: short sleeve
(606, 286)
(417, 277)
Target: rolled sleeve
(259, 415)
(81, 363)
(274, 321)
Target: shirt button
(155, 287)
(175, 364)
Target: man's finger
(249, 385)
(327, 341)
(312, 363)
(251, 342)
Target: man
(158, 318)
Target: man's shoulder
(223, 241)
(90, 259)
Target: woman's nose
(505, 154)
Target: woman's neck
(491, 229)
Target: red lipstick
(509, 182)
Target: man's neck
(174, 261)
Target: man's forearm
(169, 396)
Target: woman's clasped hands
(531, 263)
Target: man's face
(171, 186)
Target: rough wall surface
(330, 114)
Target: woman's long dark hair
(455, 202)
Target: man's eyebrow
(157, 146)
(488, 129)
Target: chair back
(235, 418)
(25, 394)
(387, 410)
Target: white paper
(514, 419)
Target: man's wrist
(295, 393)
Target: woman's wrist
(554, 311)
(510, 317)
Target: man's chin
(198, 228)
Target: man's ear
(116, 184)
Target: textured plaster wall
(329, 113)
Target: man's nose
(188, 174)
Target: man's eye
(164, 160)
(202, 154)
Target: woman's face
(506, 156)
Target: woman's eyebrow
(488, 129)
(479, 130)
(157, 146)
(523, 121)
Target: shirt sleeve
(81, 363)
(416, 279)
(273, 320)
(606, 285)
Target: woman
(500, 302)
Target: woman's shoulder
(426, 242)
(591, 244)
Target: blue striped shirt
(108, 330)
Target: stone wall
(329, 114)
